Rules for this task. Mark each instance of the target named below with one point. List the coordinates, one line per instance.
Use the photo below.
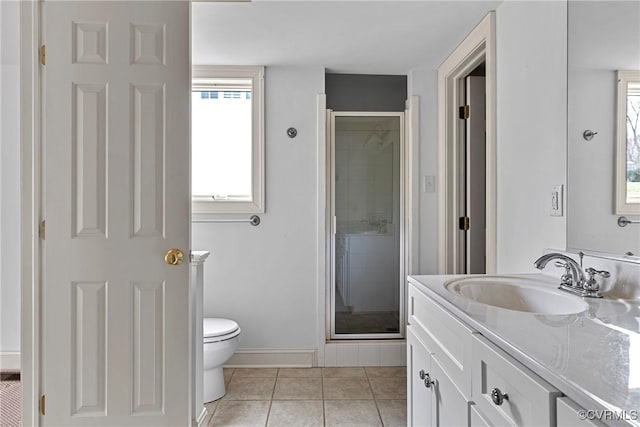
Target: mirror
(603, 38)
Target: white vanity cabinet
(565, 370)
(465, 369)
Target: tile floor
(298, 397)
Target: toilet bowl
(221, 337)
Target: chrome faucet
(573, 280)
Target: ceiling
(368, 37)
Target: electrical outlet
(557, 200)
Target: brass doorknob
(174, 257)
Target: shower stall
(366, 201)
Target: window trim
(201, 76)
(622, 207)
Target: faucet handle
(593, 272)
(592, 284)
(566, 278)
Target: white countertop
(593, 357)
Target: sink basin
(518, 294)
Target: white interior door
(115, 320)
(476, 175)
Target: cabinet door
(420, 400)
(451, 406)
(434, 400)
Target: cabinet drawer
(530, 401)
(568, 415)
(448, 339)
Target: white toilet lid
(214, 327)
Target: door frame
(479, 46)
(30, 207)
(330, 201)
(412, 217)
(474, 181)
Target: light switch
(428, 184)
(557, 200)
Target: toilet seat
(215, 329)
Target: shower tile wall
(364, 180)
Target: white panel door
(115, 323)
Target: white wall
(424, 84)
(264, 277)
(531, 129)
(531, 135)
(9, 178)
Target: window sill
(209, 209)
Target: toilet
(221, 337)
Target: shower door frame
(331, 306)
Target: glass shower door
(366, 165)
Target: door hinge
(42, 405)
(463, 223)
(42, 230)
(464, 112)
(43, 55)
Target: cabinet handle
(498, 397)
(427, 381)
(426, 377)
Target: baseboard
(199, 422)
(10, 362)
(272, 358)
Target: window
(628, 146)
(227, 139)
